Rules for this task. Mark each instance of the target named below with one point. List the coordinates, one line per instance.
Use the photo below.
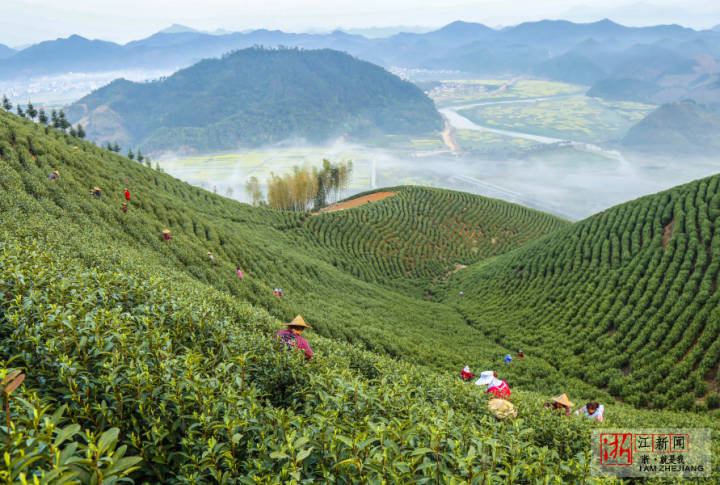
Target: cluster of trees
(56, 120)
(304, 188)
(59, 121)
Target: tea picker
(465, 373)
(290, 336)
(561, 403)
(496, 387)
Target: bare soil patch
(667, 234)
(357, 202)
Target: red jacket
(501, 391)
(127, 195)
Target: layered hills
(6, 51)
(673, 61)
(682, 128)
(257, 96)
(167, 359)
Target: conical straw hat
(96, 188)
(166, 231)
(563, 399)
(502, 408)
(57, 172)
(298, 322)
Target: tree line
(304, 188)
(58, 120)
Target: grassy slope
(274, 249)
(626, 300)
(77, 259)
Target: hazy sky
(29, 21)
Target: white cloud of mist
(571, 189)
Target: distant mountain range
(6, 51)
(257, 96)
(683, 128)
(668, 62)
(180, 46)
(179, 29)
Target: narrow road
(448, 137)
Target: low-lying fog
(61, 89)
(567, 183)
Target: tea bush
(626, 299)
(421, 233)
(154, 365)
(195, 387)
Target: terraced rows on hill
(626, 300)
(134, 345)
(272, 248)
(423, 233)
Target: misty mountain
(683, 128)
(378, 32)
(163, 50)
(708, 92)
(572, 67)
(490, 59)
(669, 61)
(454, 34)
(177, 29)
(6, 51)
(561, 35)
(257, 96)
(649, 62)
(650, 13)
(179, 46)
(624, 90)
(74, 53)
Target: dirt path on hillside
(668, 233)
(359, 201)
(448, 137)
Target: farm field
(577, 118)
(492, 143)
(168, 360)
(406, 144)
(466, 91)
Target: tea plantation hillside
(151, 373)
(144, 361)
(273, 249)
(423, 234)
(626, 300)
